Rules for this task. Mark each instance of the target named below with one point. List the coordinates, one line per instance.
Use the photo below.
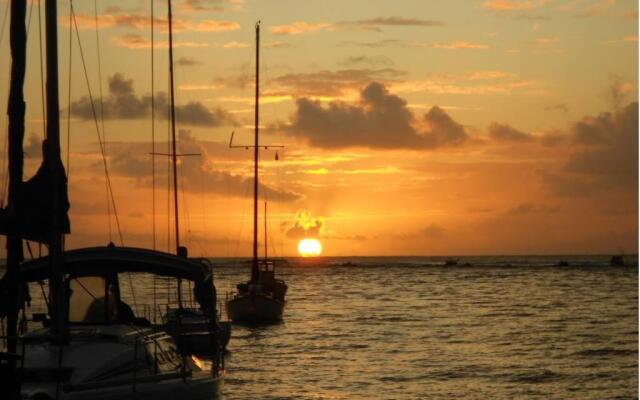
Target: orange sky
(411, 127)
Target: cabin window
(90, 301)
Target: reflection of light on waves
(204, 365)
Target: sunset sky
(411, 127)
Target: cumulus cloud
(619, 91)
(305, 226)
(123, 103)
(379, 120)
(505, 132)
(605, 154)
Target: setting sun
(309, 247)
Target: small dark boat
(451, 262)
(617, 261)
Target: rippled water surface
(412, 328)
(408, 329)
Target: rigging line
(168, 172)
(69, 97)
(95, 120)
(153, 141)
(104, 131)
(153, 162)
(44, 113)
(5, 172)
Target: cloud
(512, 5)
(530, 208)
(136, 42)
(276, 45)
(33, 147)
(375, 44)
(605, 155)
(433, 231)
(546, 41)
(198, 174)
(564, 107)
(235, 45)
(374, 61)
(332, 83)
(503, 132)
(123, 19)
(379, 120)
(459, 45)
(597, 8)
(299, 27)
(123, 104)
(375, 24)
(305, 226)
(619, 90)
(186, 62)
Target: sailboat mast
(174, 158)
(256, 150)
(56, 287)
(16, 112)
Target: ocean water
(413, 328)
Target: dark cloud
(123, 103)
(530, 208)
(374, 61)
(505, 132)
(564, 107)
(433, 231)
(377, 23)
(380, 120)
(605, 155)
(33, 147)
(375, 44)
(198, 174)
(186, 62)
(619, 91)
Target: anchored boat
(262, 298)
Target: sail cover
(31, 218)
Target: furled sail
(31, 219)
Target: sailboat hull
(254, 308)
(113, 362)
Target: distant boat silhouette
(261, 299)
